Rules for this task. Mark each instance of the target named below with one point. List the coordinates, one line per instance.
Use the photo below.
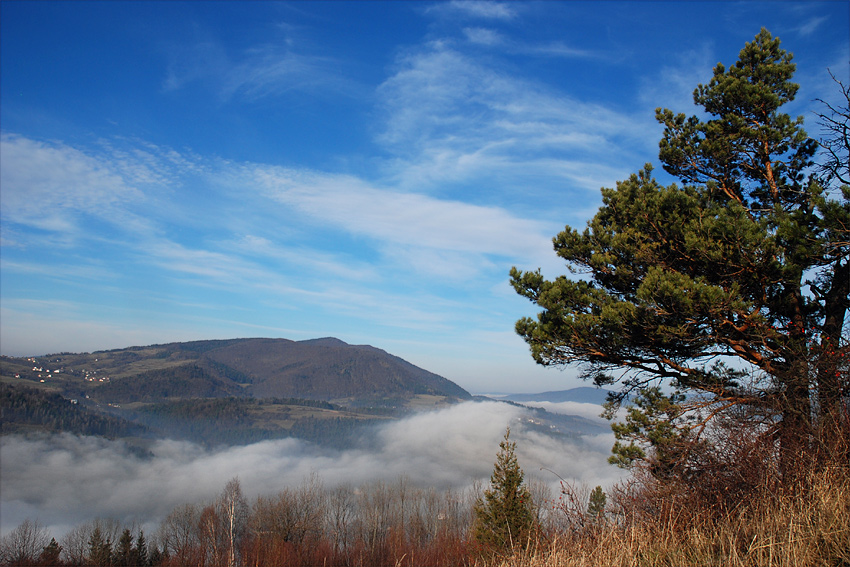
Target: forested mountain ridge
(320, 369)
(328, 369)
(219, 392)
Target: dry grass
(807, 528)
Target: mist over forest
(83, 478)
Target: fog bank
(63, 480)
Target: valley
(232, 392)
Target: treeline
(207, 421)
(378, 524)
(24, 409)
(238, 421)
(95, 543)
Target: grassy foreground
(807, 526)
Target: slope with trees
(24, 409)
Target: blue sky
(365, 170)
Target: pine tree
(157, 557)
(504, 517)
(748, 263)
(139, 554)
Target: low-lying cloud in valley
(64, 480)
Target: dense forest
(239, 421)
(24, 409)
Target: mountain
(239, 391)
(584, 395)
(320, 369)
(329, 369)
(223, 391)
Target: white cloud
(557, 49)
(476, 9)
(224, 269)
(673, 85)
(451, 119)
(811, 25)
(448, 266)
(403, 218)
(47, 186)
(317, 261)
(483, 36)
(280, 65)
(272, 70)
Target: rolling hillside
(329, 369)
(227, 391)
(321, 369)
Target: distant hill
(329, 369)
(221, 391)
(584, 395)
(319, 369)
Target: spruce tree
(100, 550)
(157, 557)
(596, 503)
(123, 555)
(732, 289)
(139, 554)
(504, 517)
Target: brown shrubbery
(738, 510)
(651, 525)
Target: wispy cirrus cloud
(450, 118)
(483, 36)
(60, 189)
(47, 186)
(326, 263)
(268, 69)
(402, 218)
(558, 49)
(811, 25)
(494, 39)
(75, 183)
(479, 9)
(272, 70)
(673, 85)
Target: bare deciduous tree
(24, 544)
(179, 535)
